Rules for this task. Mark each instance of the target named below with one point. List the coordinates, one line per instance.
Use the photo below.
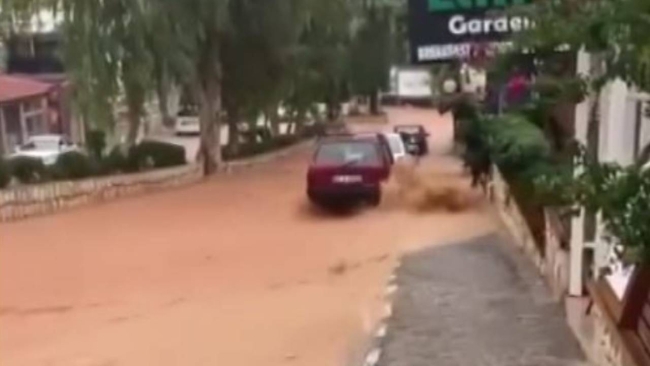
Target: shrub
(517, 145)
(155, 154)
(251, 149)
(28, 169)
(74, 165)
(96, 141)
(5, 174)
(285, 140)
(314, 130)
(116, 161)
(247, 150)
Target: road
(234, 271)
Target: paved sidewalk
(473, 304)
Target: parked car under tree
(47, 148)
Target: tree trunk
(331, 111)
(274, 120)
(374, 103)
(134, 126)
(135, 110)
(210, 119)
(299, 122)
(233, 130)
(162, 91)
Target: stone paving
(473, 304)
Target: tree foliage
(615, 33)
(615, 30)
(244, 56)
(371, 51)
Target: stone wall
(513, 219)
(554, 263)
(557, 258)
(606, 349)
(34, 200)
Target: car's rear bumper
(344, 193)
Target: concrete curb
(375, 347)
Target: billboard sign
(441, 30)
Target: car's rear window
(355, 153)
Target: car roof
(353, 137)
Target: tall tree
(256, 55)
(106, 54)
(322, 55)
(371, 52)
(201, 25)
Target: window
(355, 153)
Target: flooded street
(235, 271)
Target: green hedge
(75, 165)
(117, 161)
(5, 174)
(155, 154)
(314, 130)
(143, 156)
(520, 150)
(28, 170)
(518, 146)
(251, 149)
(96, 142)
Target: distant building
(35, 71)
(23, 110)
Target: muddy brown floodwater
(235, 271)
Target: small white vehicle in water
(396, 144)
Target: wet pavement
(475, 302)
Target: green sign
(462, 5)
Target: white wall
(577, 222)
(617, 145)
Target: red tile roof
(16, 87)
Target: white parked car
(45, 147)
(187, 122)
(396, 145)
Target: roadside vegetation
(542, 163)
(238, 59)
(75, 165)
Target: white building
(623, 130)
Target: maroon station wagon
(346, 170)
